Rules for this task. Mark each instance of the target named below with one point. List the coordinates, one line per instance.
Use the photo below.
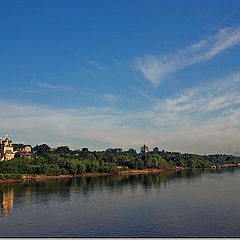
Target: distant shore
(42, 177)
(27, 178)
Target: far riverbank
(42, 177)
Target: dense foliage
(64, 161)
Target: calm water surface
(186, 203)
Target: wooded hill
(62, 160)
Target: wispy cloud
(110, 97)
(155, 68)
(84, 69)
(94, 63)
(58, 87)
(46, 85)
(32, 91)
(202, 119)
(222, 21)
(216, 96)
(144, 94)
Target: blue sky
(102, 74)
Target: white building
(6, 149)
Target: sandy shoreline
(27, 178)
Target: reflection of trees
(43, 191)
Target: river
(186, 203)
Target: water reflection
(7, 201)
(26, 193)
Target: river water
(187, 203)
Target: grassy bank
(10, 178)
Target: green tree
(63, 150)
(132, 150)
(42, 149)
(85, 150)
(156, 150)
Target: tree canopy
(62, 160)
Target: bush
(64, 171)
(10, 176)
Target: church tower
(144, 149)
(6, 149)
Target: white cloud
(155, 68)
(94, 63)
(96, 128)
(84, 69)
(202, 120)
(110, 97)
(46, 85)
(211, 97)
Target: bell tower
(7, 149)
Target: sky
(101, 74)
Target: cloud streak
(93, 63)
(144, 94)
(84, 69)
(58, 88)
(212, 100)
(155, 68)
(110, 97)
(46, 85)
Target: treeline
(62, 160)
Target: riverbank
(26, 177)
